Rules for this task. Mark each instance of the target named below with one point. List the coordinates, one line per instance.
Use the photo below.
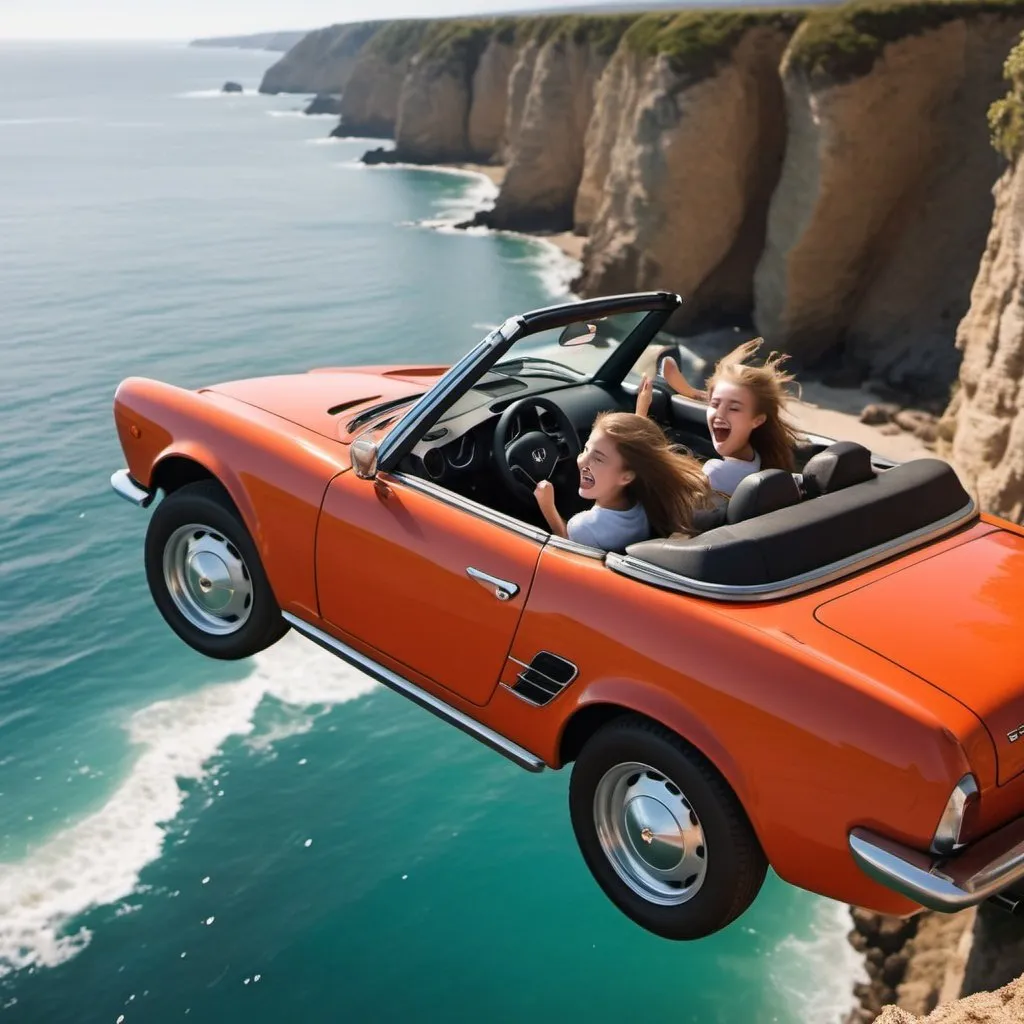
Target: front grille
(544, 678)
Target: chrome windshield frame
(405, 434)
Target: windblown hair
(669, 484)
(775, 438)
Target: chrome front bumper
(979, 871)
(124, 485)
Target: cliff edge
(984, 426)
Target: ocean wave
(98, 861)
(816, 975)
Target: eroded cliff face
(880, 214)
(678, 175)
(545, 147)
(986, 416)
(489, 92)
(370, 102)
(321, 61)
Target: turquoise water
(183, 839)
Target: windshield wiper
(375, 410)
(520, 363)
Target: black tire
(259, 622)
(731, 860)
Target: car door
(428, 579)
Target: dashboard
(461, 442)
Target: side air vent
(544, 678)
(335, 409)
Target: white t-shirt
(609, 529)
(725, 474)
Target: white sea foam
(12, 122)
(98, 860)
(816, 975)
(212, 94)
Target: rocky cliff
(369, 103)
(984, 426)
(879, 218)
(321, 62)
(551, 113)
(682, 155)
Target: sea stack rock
(231, 87)
(324, 103)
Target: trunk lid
(957, 621)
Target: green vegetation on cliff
(837, 44)
(398, 40)
(603, 32)
(696, 43)
(1006, 116)
(457, 43)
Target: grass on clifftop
(696, 42)
(458, 41)
(601, 31)
(1006, 116)
(398, 40)
(841, 43)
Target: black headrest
(714, 516)
(762, 492)
(842, 464)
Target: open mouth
(720, 433)
(586, 480)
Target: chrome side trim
(564, 544)
(980, 871)
(520, 755)
(646, 572)
(125, 486)
(470, 506)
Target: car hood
(957, 621)
(328, 400)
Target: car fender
(658, 705)
(275, 472)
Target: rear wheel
(205, 575)
(662, 832)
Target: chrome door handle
(502, 589)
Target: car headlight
(951, 825)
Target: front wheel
(205, 575)
(662, 832)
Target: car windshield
(569, 353)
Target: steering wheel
(534, 454)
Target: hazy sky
(186, 19)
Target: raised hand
(644, 396)
(678, 383)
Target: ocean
(182, 839)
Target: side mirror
(364, 458)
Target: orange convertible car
(829, 681)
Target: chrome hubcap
(207, 579)
(650, 834)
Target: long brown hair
(775, 438)
(670, 484)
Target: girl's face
(732, 418)
(603, 474)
